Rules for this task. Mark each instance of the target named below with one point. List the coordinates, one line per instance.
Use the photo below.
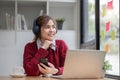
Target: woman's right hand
(46, 44)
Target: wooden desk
(43, 78)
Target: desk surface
(43, 78)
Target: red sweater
(32, 54)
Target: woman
(44, 46)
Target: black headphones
(36, 29)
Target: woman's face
(48, 32)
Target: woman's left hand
(47, 70)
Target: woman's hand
(46, 44)
(47, 70)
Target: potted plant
(60, 22)
(107, 66)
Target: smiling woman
(44, 46)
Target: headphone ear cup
(36, 29)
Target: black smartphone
(44, 61)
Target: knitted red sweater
(32, 54)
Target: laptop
(83, 64)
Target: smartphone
(44, 61)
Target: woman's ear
(56, 30)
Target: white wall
(7, 51)
(11, 49)
(12, 46)
(69, 36)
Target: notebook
(83, 64)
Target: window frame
(95, 41)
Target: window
(99, 27)
(109, 32)
(87, 24)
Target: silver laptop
(83, 64)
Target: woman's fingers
(42, 70)
(51, 65)
(44, 66)
(47, 70)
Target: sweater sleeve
(63, 50)
(30, 59)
